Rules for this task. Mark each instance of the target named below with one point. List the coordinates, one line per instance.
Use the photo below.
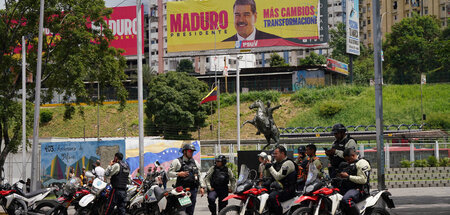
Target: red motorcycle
(72, 193)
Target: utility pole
(238, 103)
(37, 102)
(378, 93)
(140, 88)
(24, 106)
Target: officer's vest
(352, 170)
(336, 160)
(120, 180)
(191, 180)
(220, 178)
(290, 180)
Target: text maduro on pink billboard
(123, 23)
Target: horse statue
(263, 121)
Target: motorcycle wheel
(83, 211)
(44, 207)
(375, 211)
(143, 211)
(231, 209)
(58, 210)
(303, 211)
(15, 208)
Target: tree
(277, 61)
(411, 49)
(173, 105)
(185, 66)
(338, 43)
(75, 53)
(313, 59)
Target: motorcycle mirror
(22, 181)
(157, 163)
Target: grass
(401, 104)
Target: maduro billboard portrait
(191, 24)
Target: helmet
(188, 146)
(338, 128)
(221, 158)
(262, 154)
(301, 149)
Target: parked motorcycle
(14, 201)
(72, 193)
(322, 199)
(253, 197)
(157, 201)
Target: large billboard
(123, 23)
(216, 24)
(352, 26)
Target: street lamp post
(378, 93)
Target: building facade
(393, 11)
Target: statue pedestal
(250, 158)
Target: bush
(405, 163)
(233, 168)
(329, 108)
(313, 95)
(421, 163)
(432, 161)
(439, 120)
(444, 162)
(45, 116)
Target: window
(395, 17)
(406, 1)
(426, 11)
(369, 34)
(207, 60)
(330, 15)
(443, 8)
(395, 5)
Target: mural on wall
(58, 157)
(305, 78)
(163, 151)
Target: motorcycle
(157, 201)
(96, 201)
(14, 201)
(322, 199)
(253, 197)
(72, 193)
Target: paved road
(408, 201)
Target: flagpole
(218, 113)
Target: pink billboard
(123, 23)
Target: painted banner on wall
(58, 157)
(163, 151)
(209, 24)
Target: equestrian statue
(263, 121)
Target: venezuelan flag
(212, 96)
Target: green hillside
(350, 105)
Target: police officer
(355, 183)
(336, 153)
(118, 171)
(302, 162)
(187, 172)
(284, 173)
(219, 181)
